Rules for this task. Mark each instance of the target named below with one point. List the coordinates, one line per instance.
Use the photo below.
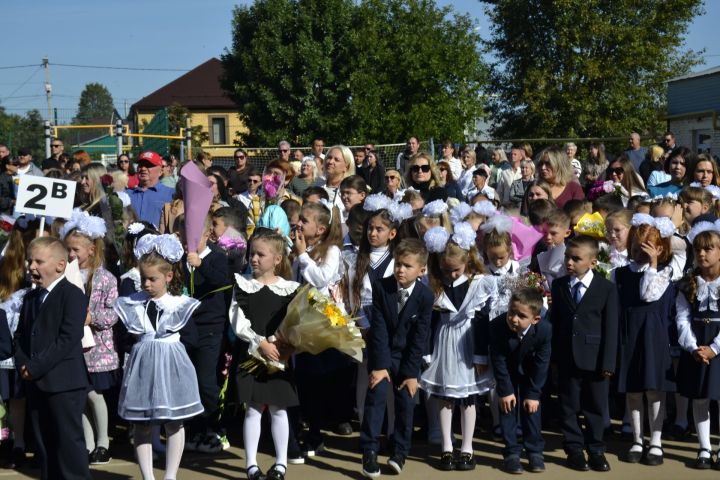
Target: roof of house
(701, 73)
(198, 88)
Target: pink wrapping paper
(524, 239)
(197, 198)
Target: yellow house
(199, 91)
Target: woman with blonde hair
(499, 164)
(422, 175)
(339, 164)
(555, 169)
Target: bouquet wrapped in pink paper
(197, 198)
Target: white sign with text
(49, 197)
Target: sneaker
(295, 457)
(192, 444)
(312, 449)
(210, 444)
(370, 467)
(100, 456)
(536, 464)
(397, 463)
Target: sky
(155, 34)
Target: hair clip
(167, 246)
(84, 223)
(436, 239)
(376, 201)
(435, 208)
(460, 212)
(663, 224)
(484, 208)
(464, 235)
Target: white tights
(467, 424)
(175, 434)
(279, 427)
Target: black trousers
(206, 358)
(56, 420)
(583, 392)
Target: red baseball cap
(151, 157)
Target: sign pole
(41, 230)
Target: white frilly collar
(282, 287)
(167, 303)
(708, 293)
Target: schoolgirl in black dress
(258, 307)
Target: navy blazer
(587, 333)
(212, 274)
(397, 341)
(6, 339)
(48, 342)
(520, 363)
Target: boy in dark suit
(520, 357)
(49, 358)
(206, 273)
(584, 317)
(397, 340)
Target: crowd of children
(459, 304)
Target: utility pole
(48, 87)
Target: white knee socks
(251, 434)
(445, 415)
(143, 450)
(280, 432)
(467, 423)
(701, 413)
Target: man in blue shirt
(636, 153)
(150, 195)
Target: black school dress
(645, 362)
(696, 380)
(259, 309)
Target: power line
(23, 84)
(137, 69)
(18, 66)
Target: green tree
(353, 71)
(23, 131)
(584, 67)
(95, 106)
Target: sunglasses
(123, 161)
(418, 168)
(617, 171)
(390, 177)
(284, 151)
(253, 181)
(443, 169)
(240, 156)
(56, 146)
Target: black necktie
(42, 293)
(153, 312)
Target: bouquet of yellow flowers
(313, 323)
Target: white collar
(586, 280)
(205, 252)
(408, 289)
(505, 269)
(249, 285)
(50, 287)
(460, 280)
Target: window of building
(218, 133)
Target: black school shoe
(635, 456)
(703, 463)
(397, 462)
(576, 461)
(276, 472)
(370, 467)
(447, 461)
(652, 459)
(598, 462)
(100, 456)
(256, 473)
(465, 462)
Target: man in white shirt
(507, 177)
